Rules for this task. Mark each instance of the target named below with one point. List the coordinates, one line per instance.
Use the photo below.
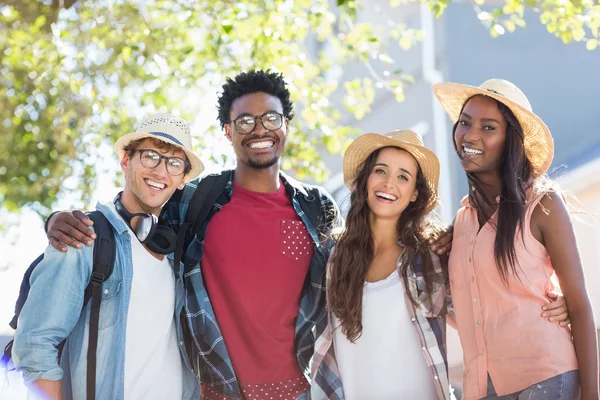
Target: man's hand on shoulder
(70, 228)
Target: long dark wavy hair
(354, 250)
(516, 176)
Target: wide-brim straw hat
(360, 149)
(169, 129)
(538, 142)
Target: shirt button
(469, 259)
(436, 377)
(181, 343)
(472, 279)
(474, 299)
(478, 322)
(423, 348)
(481, 351)
(413, 319)
(105, 291)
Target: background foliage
(76, 74)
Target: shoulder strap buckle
(97, 278)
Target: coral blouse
(501, 329)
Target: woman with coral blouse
(512, 238)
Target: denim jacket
(210, 359)
(53, 312)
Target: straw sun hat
(169, 129)
(538, 142)
(360, 149)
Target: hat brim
(538, 141)
(360, 149)
(196, 165)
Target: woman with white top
(386, 288)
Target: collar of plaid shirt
(429, 320)
(210, 360)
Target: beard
(262, 164)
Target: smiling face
(391, 186)
(480, 135)
(261, 148)
(148, 189)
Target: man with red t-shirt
(256, 300)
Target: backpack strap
(208, 190)
(103, 266)
(23, 293)
(204, 198)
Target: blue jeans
(561, 387)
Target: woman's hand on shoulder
(443, 243)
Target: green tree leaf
(75, 75)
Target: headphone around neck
(150, 231)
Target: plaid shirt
(208, 352)
(429, 320)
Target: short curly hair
(252, 82)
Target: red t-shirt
(256, 257)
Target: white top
(386, 362)
(153, 365)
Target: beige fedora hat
(169, 129)
(364, 145)
(538, 142)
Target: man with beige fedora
(140, 350)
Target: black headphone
(150, 230)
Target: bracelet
(48, 220)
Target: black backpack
(103, 265)
(208, 190)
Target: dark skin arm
(71, 229)
(551, 225)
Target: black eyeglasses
(151, 159)
(246, 123)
